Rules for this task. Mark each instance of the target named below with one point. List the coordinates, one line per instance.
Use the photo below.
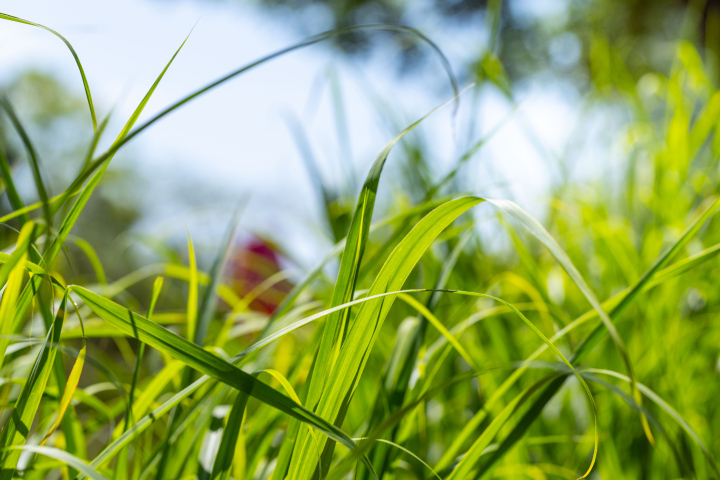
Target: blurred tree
(530, 36)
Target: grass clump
(493, 363)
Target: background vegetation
(445, 335)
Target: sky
(233, 142)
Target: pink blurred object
(251, 263)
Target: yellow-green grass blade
(11, 277)
(354, 351)
(356, 240)
(72, 383)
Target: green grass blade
(33, 156)
(12, 18)
(15, 200)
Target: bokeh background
(544, 101)
(599, 117)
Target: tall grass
(427, 355)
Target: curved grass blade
(539, 232)
(12, 18)
(64, 457)
(657, 399)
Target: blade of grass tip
(307, 42)
(94, 142)
(426, 313)
(398, 390)
(12, 18)
(356, 240)
(62, 456)
(15, 200)
(209, 300)
(122, 136)
(543, 236)
(92, 257)
(34, 159)
(594, 338)
(22, 212)
(17, 429)
(204, 361)
(231, 432)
